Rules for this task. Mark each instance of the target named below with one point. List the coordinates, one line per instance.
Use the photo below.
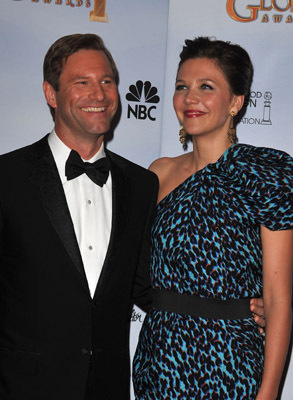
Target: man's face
(87, 98)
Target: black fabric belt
(201, 307)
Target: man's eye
(107, 81)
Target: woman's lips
(193, 113)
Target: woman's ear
(237, 103)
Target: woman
(222, 234)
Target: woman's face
(203, 100)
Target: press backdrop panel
(138, 33)
(269, 117)
(267, 36)
(136, 36)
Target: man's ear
(50, 94)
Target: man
(73, 243)
(69, 247)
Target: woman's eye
(180, 87)
(206, 86)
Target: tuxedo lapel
(120, 206)
(46, 179)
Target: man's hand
(257, 308)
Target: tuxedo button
(86, 351)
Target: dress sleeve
(266, 182)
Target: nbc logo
(142, 91)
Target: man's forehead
(88, 58)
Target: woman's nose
(191, 96)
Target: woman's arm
(277, 247)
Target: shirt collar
(61, 152)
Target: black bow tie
(97, 171)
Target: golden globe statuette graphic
(99, 14)
(267, 109)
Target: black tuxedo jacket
(50, 327)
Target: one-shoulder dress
(206, 242)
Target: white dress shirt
(90, 208)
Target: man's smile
(94, 109)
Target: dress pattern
(206, 242)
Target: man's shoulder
(142, 180)
(129, 166)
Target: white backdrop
(269, 45)
(145, 38)
(136, 36)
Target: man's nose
(97, 92)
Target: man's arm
(257, 308)
(142, 293)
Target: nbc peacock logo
(146, 93)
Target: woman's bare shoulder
(161, 164)
(165, 165)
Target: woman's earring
(182, 135)
(232, 130)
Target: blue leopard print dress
(206, 241)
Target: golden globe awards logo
(259, 109)
(98, 13)
(276, 11)
(70, 3)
